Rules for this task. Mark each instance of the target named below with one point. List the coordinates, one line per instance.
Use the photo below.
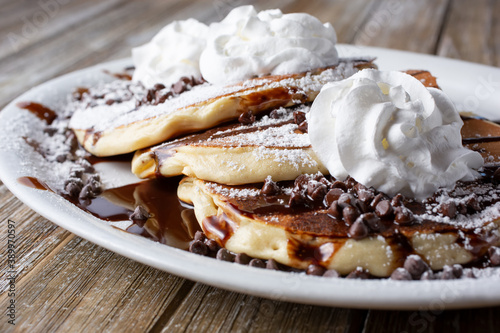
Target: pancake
(276, 145)
(122, 117)
(296, 223)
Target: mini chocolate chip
(225, 255)
(110, 101)
(246, 118)
(162, 95)
(270, 187)
(257, 263)
(447, 273)
(462, 208)
(178, 87)
(331, 273)
(303, 126)
(140, 214)
(50, 130)
(61, 158)
(87, 167)
(274, 114)
(350, 214)
(358, 273)
(350, 182)
(212, 245)
(372, 221)
(187, 80)
(397, 200)
(272, 264)
(86, 192)
(297, 198)
(76, 172)
(427, 275)
(316, 190)
(379, 197)
(494, 253)
(150, 96)
(473, 204)
(298, 117)
(457, 270)
(138, 103)
(335, 210)
(301, 181)
(73, 188)
(363, 207)
(198, 236)
(415, 266)
(315, 270)
(470, 274)
(383, 208)
(339, 184)
(332, 195)
(346, 200)
(242, 259)
(358, 229)
(198, 247)
(401, 274)
(403, 215)
(159, 86)
(366, 196)
(448, 209)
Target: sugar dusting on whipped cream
(243, 45)
(388, 131)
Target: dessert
(289, 184)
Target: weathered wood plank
(87, 288)
(208, 309)
(472, 32)
(404, 25)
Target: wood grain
(67, 284)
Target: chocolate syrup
(39, 110)
(120, 76)
(33, 183)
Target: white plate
(468, 84)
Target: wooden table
(67, 284)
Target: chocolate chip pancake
(275, 145)
(344, 225)
(122, 117)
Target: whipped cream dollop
(173, 53)
(247, 43)
(387, 130)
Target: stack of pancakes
(258, 188)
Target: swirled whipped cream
(247, 43)
(387, 130)
(173, 53)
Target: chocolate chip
(494, 253)
(350, 182)
(366, 196)
(274, 114)
(139, 214)
(350, 214)
(297, 198)
(61, 158)
(397, 200)
(358, 273)
(110, 101)
(316, 190)
(447, 273)
(138, 103)
(162, 95)
(315, 270)
(401, 274)
(50, 130)
(87, 167)
(212, 245)
(86, 192)
(457, 270)
(242, 259)
(299, 117)
(372, 221)
(383, 208)
(270, 187)
(198, 247)
(301, 181)
(335, 210)
(415, 266)
(331, 273)
(340, 185)
(272, 264)
(159, 86)
(358, 229)
(379, 197)
(246, 118)
(403, 215)
(178, 87)
(187, 80)
(150, 96)
(76, 172)
(345, 200)
(73, 187)
(198, 236)
(428, 275)
(333, 195)
(470, 274)
(473, 204)
(448, 209)
(257, 263)
(303, 126)
(225, 255)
